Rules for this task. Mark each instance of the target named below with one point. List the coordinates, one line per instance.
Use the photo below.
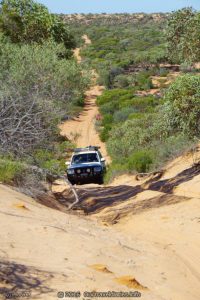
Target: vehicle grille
(83, 170)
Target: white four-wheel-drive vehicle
(86, 166)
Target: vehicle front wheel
(100, 180)
(72, 182)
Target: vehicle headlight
(88, 170)
(97, 169)
(70, 171)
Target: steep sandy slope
(174, 229)
(163, 212)
(46, 251)
(153, 246)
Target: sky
(117, 6)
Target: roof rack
(89, 148)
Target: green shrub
(107, 119)
(143, 81)
(162, 72)
(28, 22)
(117, 100)
(105, 132)
(129, 137)
(187, 67)
(10, 170)
(182, 34)
(54, 160)
(182, 105)
(121, 81)
(135, 115)
(123, 114)
(140, 161)
(170, 148)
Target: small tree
(182, 105)
(61, 33)
(183, 35)
(26, 21)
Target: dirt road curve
(83, 126)
(77, 50)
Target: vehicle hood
(84, 165)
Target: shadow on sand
(168, 185)
(17, 279)
(93, 200)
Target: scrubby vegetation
(118, 106)
(40, 84)
(121, 43)
(10, 169)
(28, 21)
(183, 36)
(143, 131)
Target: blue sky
(111, 6)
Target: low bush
(170, 148)
(53, 160)
(10, 170)
(182, 103)
(162, 72)
(143, 81)
(123, 114)
(121, 81)
(140, 161)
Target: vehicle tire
(100, 180)
(72, 182)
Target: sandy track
(46, 251)
(154, 241)
(77, 50)
(83, 126)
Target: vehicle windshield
(85, 158)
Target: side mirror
(103, 159)
(67, 163)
